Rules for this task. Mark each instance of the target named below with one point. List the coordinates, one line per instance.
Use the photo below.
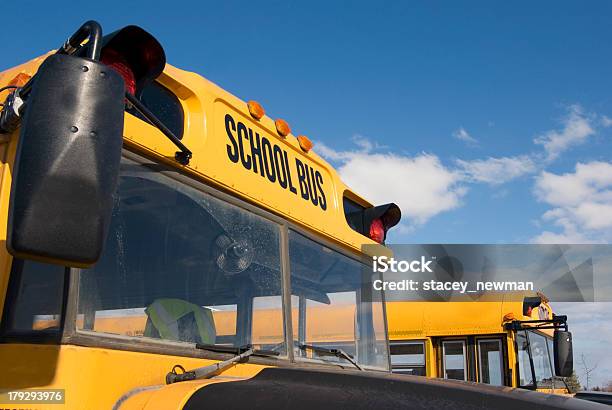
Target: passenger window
(408, 358)
(182, 265)
(490, 362)
(454, 359)
(34, 302)
(353, 214)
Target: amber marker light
(282, 127)
(256, 110)
(20, 80)
(305, 143)
(509, 316)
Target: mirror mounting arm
(557, 322)
(89, 30)
(184, 155)
(10, 116)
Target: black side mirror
(564, 357)
(67, 162)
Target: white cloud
(577, 127)
(364, 144)
(331, 154)
(495, 171)
(581, 203)
(420, 185)
(462, 135)
(605, 121)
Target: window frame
(70, 335)
(501, 356)
(400, 367)
(464, 344)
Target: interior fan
(233, 256)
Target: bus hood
(315, 389)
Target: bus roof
(242, 155)
(413, 320)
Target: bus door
(473, 358)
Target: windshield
(332, 305)
(534, 352)
(182, 265)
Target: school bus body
(205, 106)
(427, 326)
(97, 372)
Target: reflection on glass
(454, 360)
(526, 378)
(39, 288)
(182, 265)
(490, 362)
(332, 305)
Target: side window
(352, 213)
(408, 358)
(490, 362)
(165, 105)
(34, 303)
(454, 359)
(180, 264)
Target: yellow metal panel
(205, 105)
(94, 378)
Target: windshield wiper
(334, 352)
(236, 349)
(241, 352)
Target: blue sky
(488, 122)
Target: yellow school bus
(507, 341)
(189, 253)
